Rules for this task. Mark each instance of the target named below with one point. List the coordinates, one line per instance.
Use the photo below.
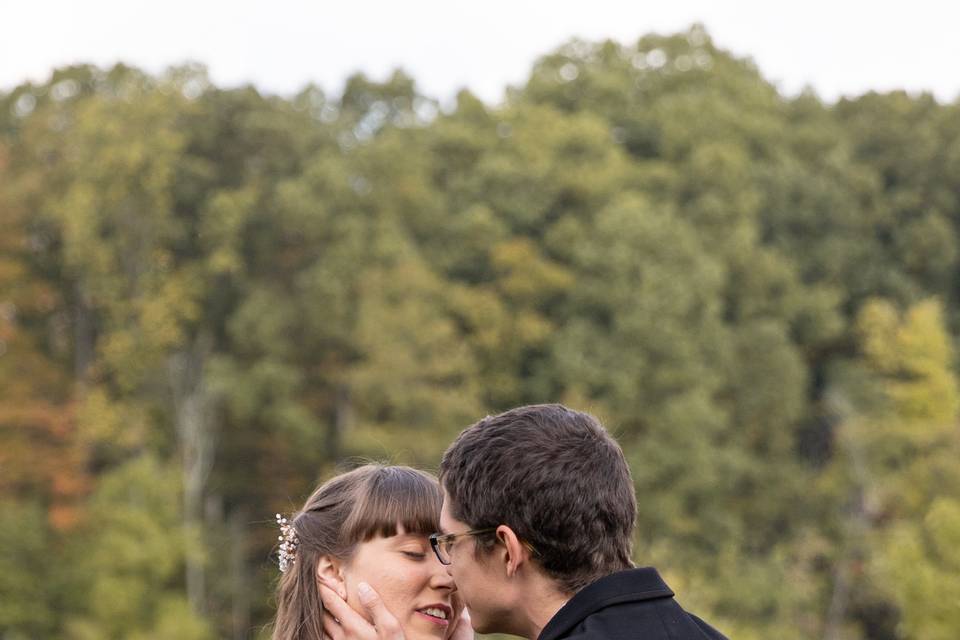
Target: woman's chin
(423, 628)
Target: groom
(537, 523)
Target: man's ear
(330, 573)
(515, 554)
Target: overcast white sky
(840, 47)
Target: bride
(365, 528)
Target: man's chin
(481, 624)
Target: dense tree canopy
(210, 298)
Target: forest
(213, 298)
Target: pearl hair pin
(288, 543)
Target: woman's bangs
(395, 496)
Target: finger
(331, 628)
(387, 626)
(352, 624)
(463, 630)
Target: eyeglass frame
(436, 539)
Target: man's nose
(441, 578)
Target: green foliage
(211, 298)
(921, 564)
(27, 589)
(902, 441)
(129, 557)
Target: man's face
(480, 581)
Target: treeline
(210, 297)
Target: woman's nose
(440, 577)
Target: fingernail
(365, 593)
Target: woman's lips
(437, 621)
(437, 614)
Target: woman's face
(412, 583)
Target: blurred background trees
(210, 298)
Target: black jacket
(630, 605)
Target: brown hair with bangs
(350, 508)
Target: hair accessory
(288, 543)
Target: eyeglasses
(442, 544)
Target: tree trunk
(195, 439)
(856, 528)
(239, 578)
(837, 614)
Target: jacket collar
(632, 585)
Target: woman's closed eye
(414, 555)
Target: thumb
(386, 625)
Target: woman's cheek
(396, 592)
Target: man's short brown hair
(554, 476)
